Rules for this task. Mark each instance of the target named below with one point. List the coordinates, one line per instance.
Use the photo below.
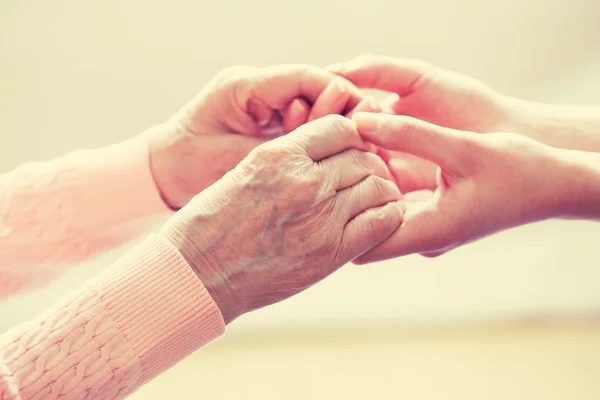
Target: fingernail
(339, 88)
(296, 109)
(372, 104)
(366, 122)
(259, 111)
(401, 207)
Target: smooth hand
(431, 94)
(485, 183)
(239, 109)
(291, 213)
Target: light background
(84, 74)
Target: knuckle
(238, 76)
(378, 185)
(358, 158)
(374, 163)
(231, 70)
(340, 126)
(306, 69)
(264, 151)
(270, 155)
(366, 57)
(230, 73)
(378, 220)
(419, 63)
(337, 122)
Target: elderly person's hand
(291, 213)
(239, 109)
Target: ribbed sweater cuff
(159, 305)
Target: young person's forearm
(563, 126)
(577, 184)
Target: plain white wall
(84, 74)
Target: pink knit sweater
(133, 321)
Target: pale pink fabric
(133, 321)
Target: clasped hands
(283, 174)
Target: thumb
(369, 229)
(384, 73)
(445, 147)
(425, 229)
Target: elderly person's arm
(290, 214)
(63, 211)
(57, 213)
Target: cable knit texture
(55, 214)
(128, 325)
(133, 321)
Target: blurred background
(512, 316)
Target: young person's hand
(485, 183)
(456, 101)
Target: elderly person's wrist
(164, 139)
(216, 283)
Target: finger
(368, 104)
(424, 229)
(412, 173)
(372, 191)
(369, 229)
(391, 104)
(352, 166)
(442, 146)
(384, 73)
(274, 127)
(279, 85)
(332, 100)
(246, 125)
(295, 115)
(326, 137)
(418, 195)
(259, 111)
(433, 254)
(384, 154)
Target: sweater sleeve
(57, 213)
(130, 323)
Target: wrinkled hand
(431, 94)
(485, 183)
(239, 109)
(291, 213)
